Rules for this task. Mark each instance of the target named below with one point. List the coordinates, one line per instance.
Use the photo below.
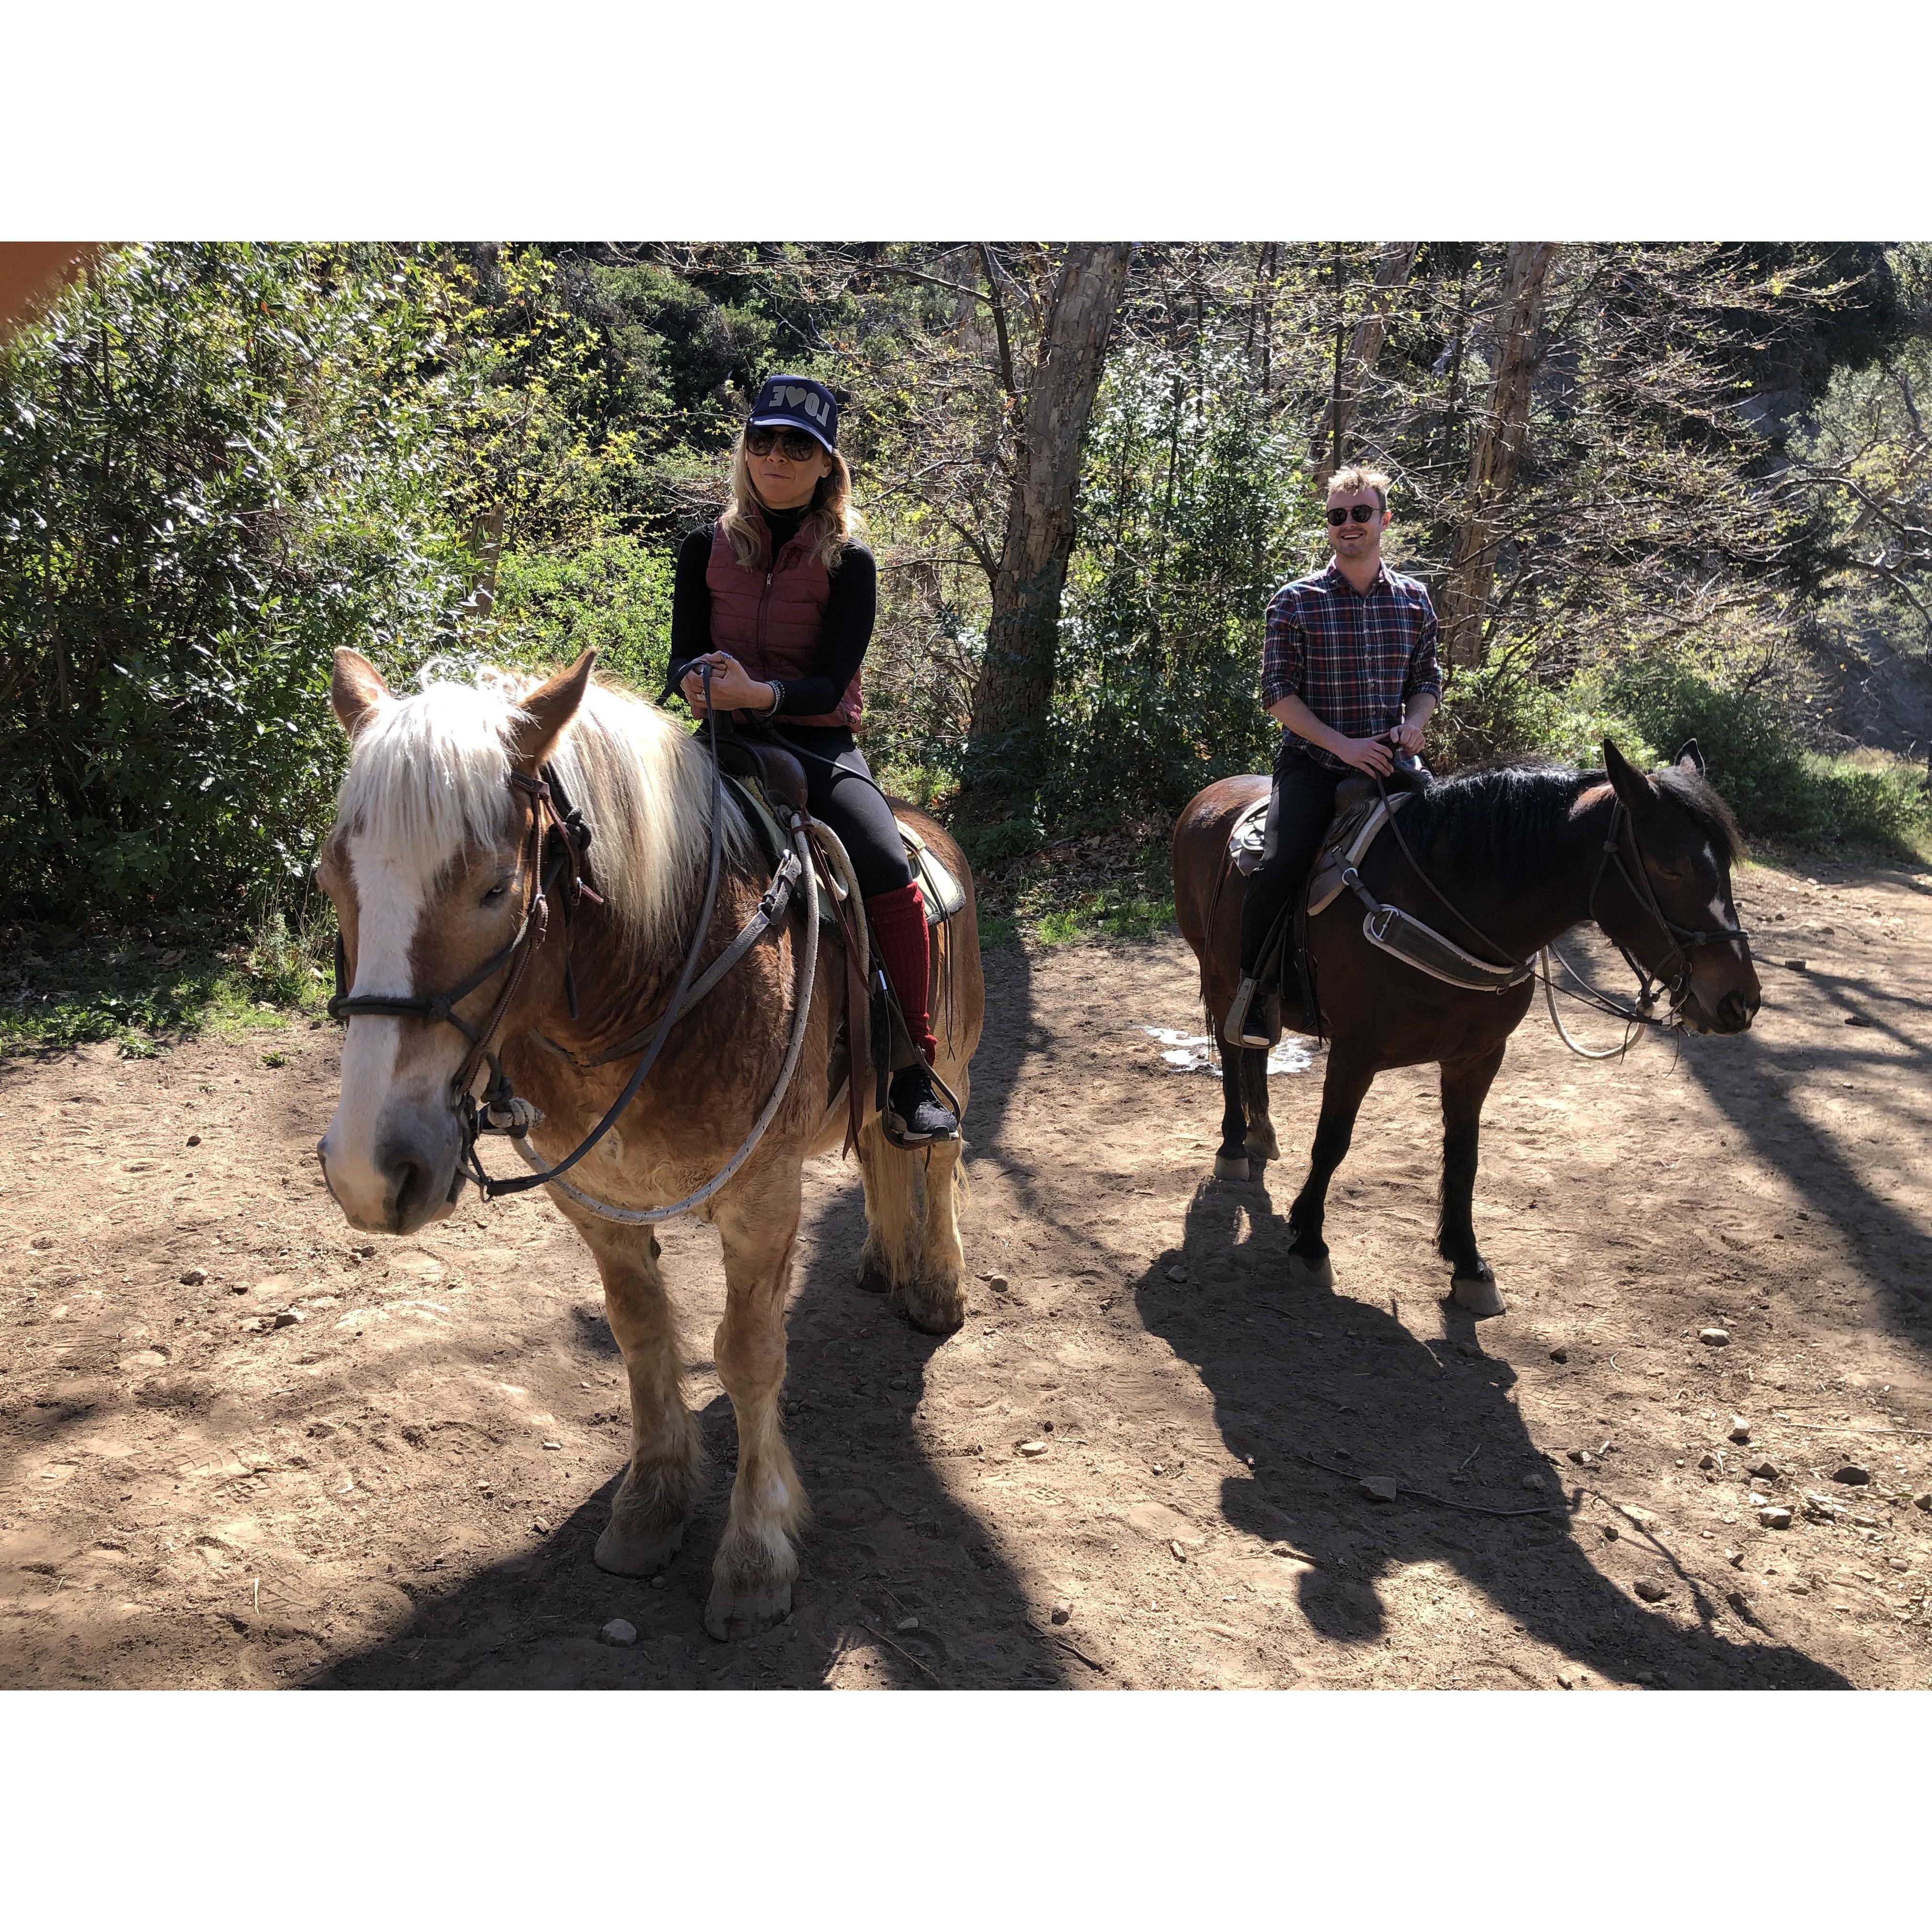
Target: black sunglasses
(796, 444)
(1356, 513)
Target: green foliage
(1500, 713)
(1756, 759)
(216, 464)
(1191, 500)
(614, 593)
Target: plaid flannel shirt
(1355, 661)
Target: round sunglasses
(794, 443)
(1356, 513)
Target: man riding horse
(1348, 671)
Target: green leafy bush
(217, 463)
(614, 594)
(1500, 712)
(1775, 785)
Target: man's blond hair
(1357, 476)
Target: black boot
(914, 1113)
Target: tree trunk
(1492, 462)
(1015, 683)
(1365, 348)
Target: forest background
(1657, 490)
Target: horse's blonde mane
(430, 774)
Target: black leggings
(1301, 801)
(841, 793)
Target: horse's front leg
(751, 1579)
(653, 1501)
(1465, 1086)
(1343, 1089)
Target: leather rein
(1679, 937)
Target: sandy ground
(402, 1487)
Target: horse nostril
(409, 1188)
(1736, 1010)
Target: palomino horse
(1519, 857)
(434, 865)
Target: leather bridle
(549, 810)
(1679, 937)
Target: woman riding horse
(779, 597)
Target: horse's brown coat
(1379, 1013)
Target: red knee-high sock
(899, 931)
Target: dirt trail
(402, 1487)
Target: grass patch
(152, 987)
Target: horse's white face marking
(385, 1102)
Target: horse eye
(494, 894)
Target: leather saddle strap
(849, 913)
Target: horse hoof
(625, 1549)
(1477, 1293)
(729, 1618)
(1302, 1273)
(934, 1309)
(1267, 1149)
(873, 1278)
(1231, 1167)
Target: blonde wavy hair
(832, 522)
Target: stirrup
(1239, 1030)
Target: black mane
(1504, 820)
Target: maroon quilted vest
(771, 620)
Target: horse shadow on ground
(1754, 1082)
(890, 1545)
(1300, 1378)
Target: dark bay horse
(1523, 855)
(433, 866)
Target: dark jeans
(1301, 801)
(842, 794)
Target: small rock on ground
(1063, 1611)
(619, 1632)
(1853, 1473)
(1740, 1429)
(1651, 1590)
(1714, 1338)
(1774, 1516)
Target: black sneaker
(914, 1114)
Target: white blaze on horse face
(381, 1109)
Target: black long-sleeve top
(849, 615)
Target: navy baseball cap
(796, 402)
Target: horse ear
(550, 707)
(1631, 786)
(355, 689)
(1688, 754)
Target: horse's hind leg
(653, 1501)
(751, 1579)
(1343, 1089)
(1465, 1086)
